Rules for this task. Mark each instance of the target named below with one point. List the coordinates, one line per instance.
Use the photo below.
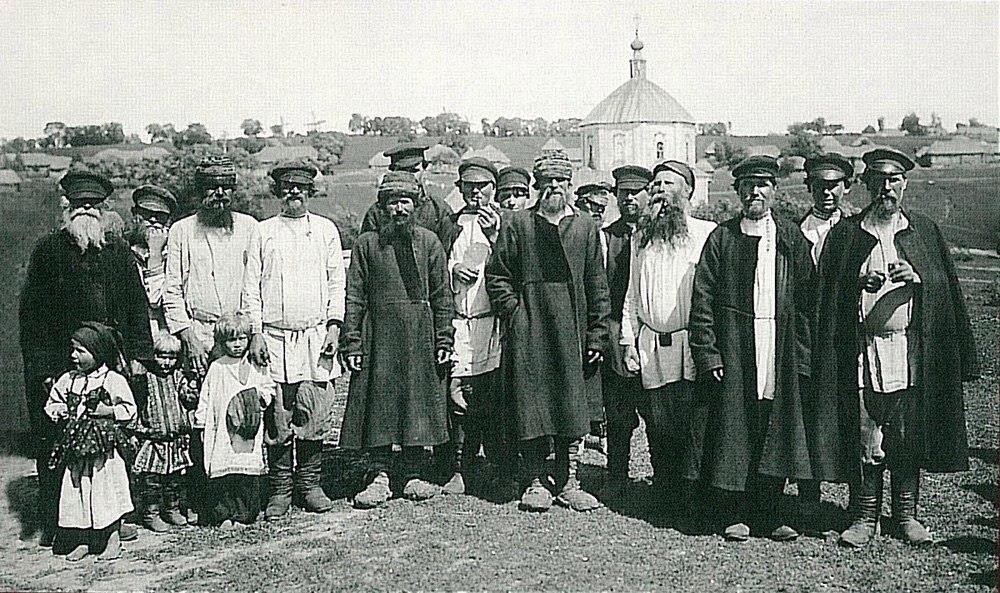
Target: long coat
(722, 335)
(65, 287)
(946, 356)
(547, 285)
(618, 236)
(399, 313)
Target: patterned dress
(164, 423)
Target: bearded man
(654, 334)
(302, 294)
(750, 339)
(546, 282)
(147, 237)
(397, 342)
(213, 267)
(78, 273)
(895, 345)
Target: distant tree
(456, 141)
(252, 145)
(881, 123)
(911, 125)
(487, 127)
(278, 131)
(816, 126)
(358, 123)
(565, 127)
(329, 146)
(55, 132)
(133, 138)
(727, 154)
(974, 123)
(95, 135)
(718, 128)
(869, 129)
(539, 126)
(803, 144)
(195, 133)
(251, 127)
(395, 125)
(158, 133)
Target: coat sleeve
(370, 221)
(595, 283)
(440, 296)
(122, 400)
(963, 327)
(174, 308)
(41, 354)
(500, 280)
(805, 306)
(251, 304)
(701, 321)
(135, 308)
(336, 278)
(630, 307)
(356, 303)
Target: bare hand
(465, 274)
(902, 271)
(353, 362)
(457, 397)
(443, 356)
(331, 341)
(137, 367)
(196, 351)
(102, 410)
(631, 358)
(872, 281)
(718, 374)
(489, 220)
(593, 357)
(258, 351)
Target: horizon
(761, 65)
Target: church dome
(638, 100)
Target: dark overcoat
(398, 313)
(434, 214)
(618, 236)
(548, 286)
(945, 358)
(63, 288)
(722, 335)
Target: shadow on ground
(21, 494)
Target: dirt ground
(465, 543)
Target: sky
(759, 65)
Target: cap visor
(476, 175)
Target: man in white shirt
(302, 292)
(654, 336)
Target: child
(232, 397)
(164, 431)
(93, 400)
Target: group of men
(756, 351)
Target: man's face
(78, 208)
(513, 198)
(295, 198)
(827, 194)
(628, 202)
(400, 208)
(553, 194)
(166, 361)
(151, 219)
(477, 193)
(756, 196)
(217, 198)
(886, 192)
(668, 190)
(595, 203)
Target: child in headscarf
(92, 401)
(230, 405)
(164, 428)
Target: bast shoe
(914, 533)
(577, 499)
(455, 485)
(128, 532)
(375, 494)
(536, 498)
(113, 551)
(737, 532)
(783, 533)
(859, 534)
(418, 490)
(79, 553)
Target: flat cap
(632, 177)
(887, 161)
(678, 167)
(218, 170)
(154, 198)
(294, 172)
(398, 183)
(553, 164)
(84, 185)
(595, 187)
(513, 177)
(406, 155)
(477, 169)
(829, 166)
(758, 165)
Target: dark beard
(670, 226)
(215, 217)
(402, 228)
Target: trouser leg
(620, 394)
(47, 500)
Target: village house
(957, 152)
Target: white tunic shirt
(658, 301)
(815, 230)
(764, 291)
(477, 331)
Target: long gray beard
(668, 225)
(214, 217)
(87, 231)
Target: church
(639, 123)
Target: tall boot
(151, 495)
(280, 479)
(171, 511)
(571, 494)
(905, 487)
(866, 506)
(307, 477)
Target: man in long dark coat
(749, 335)
(397, 340)
(914, 342)
(546, 283)
(77, 273)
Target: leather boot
(307, 478)
(171, 511)
(152, 492)
(904, 486)
(572, 495)
(280, 479)
(866, 507)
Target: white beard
(86, 230)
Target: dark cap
(594, 188)
(758, 165)
(829, 166)
(632, 177)
(398, 183)
(477, 169)
(887, 161)
(513, 177)
(79, 186)
(294, 172)
(154, 198)
(214, 171)
(678, 167)
(406, 155)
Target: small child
(93, 401)
(164, 430)
(230, 405)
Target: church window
(659, 151)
